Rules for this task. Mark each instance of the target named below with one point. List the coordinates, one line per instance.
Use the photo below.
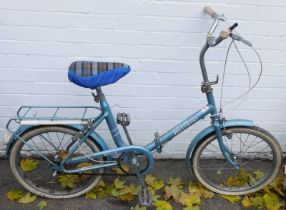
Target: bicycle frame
(122, 147)
(156, 144)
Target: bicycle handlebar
(212, 41)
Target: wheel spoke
(51, 143)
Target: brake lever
(233, 26)
(239, 38)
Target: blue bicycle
(231, 157)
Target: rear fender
(25, 128)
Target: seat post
(100, 94)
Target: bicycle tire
(17, 171)
(248, 182)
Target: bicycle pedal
(145, 197)
(123, 119)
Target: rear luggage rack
(54, 115)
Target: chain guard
(126, 158)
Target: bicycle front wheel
(255, 150)
(33, 171)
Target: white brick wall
(161, 40)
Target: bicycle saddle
(90, 74)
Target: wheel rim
(254, 153)
(35, 171)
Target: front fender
(199, 137)
(24, 128)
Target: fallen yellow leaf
(28, 165)
(27, 198)
(246, 202)
(14, 194)
(231, 198)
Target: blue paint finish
(199, 137)
(24, 128)
(169, 135)
(110, 164)
(12, 140)
(226, 153)
(211, 101)
(111, 124)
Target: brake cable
(250, 88)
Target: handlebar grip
(208, 10)
(233, 26)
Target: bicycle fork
(216, 118)
(229, 156)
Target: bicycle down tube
(169, 135)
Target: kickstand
(144, 195)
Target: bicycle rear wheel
(257, 152)
(33, 171)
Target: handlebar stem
(202, 62)
(211, 42)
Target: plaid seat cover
(89, 74)
(91, 68)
